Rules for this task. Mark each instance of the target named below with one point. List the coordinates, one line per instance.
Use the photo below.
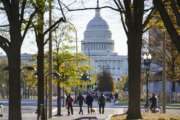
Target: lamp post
(147, 62)
(164, 75)
(58, 76)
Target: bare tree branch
(51, 27)
(35, 30)
(4, 25)
(59, 2)
(146, 29)
(22, 10)
(54, 25)
(119, 5)
(147, 10)
(148, 18)
(4, 43)
(90, 8)
(29, 23)
(2, 8)
(7, 5)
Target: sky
(80, 20)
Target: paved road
(28, 112)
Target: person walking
(101, 102)
(153, 101)
(69, 102)
(89, 102)
(80, 99)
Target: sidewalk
(105, 116)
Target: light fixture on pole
(147, 62)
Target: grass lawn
(150, 116)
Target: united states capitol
(99, 46)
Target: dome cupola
(97, 36)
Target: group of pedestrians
(88, 100)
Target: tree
(105, 82)
(168, 22)
(28, 79)
(40, 33)
(61, 39)
(133, 26)
(172, 56)
(121, 84)
(14, 11)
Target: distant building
(26, 59)
(99, 46)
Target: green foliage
(120, 85)
(29, 76)
(105, 81)
(70, 69)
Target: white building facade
(99, 46)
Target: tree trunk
(63, 97)
(40, 58)
(14, 84)
(58, 99)
(135, 28)
(134, 60)
(40, 75)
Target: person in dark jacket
(153, 101)
(89, 102)
(69, 102)
(80, 99)
(101, 102)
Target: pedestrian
(80, 99)
(89, 102)
(69, 102)
(153, 101)
(116, 97)
(101, 102)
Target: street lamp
(59, 77)
(147, 62)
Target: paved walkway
(28, 112)
(105, 116)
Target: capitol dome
(97, 37)
(97, 23)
